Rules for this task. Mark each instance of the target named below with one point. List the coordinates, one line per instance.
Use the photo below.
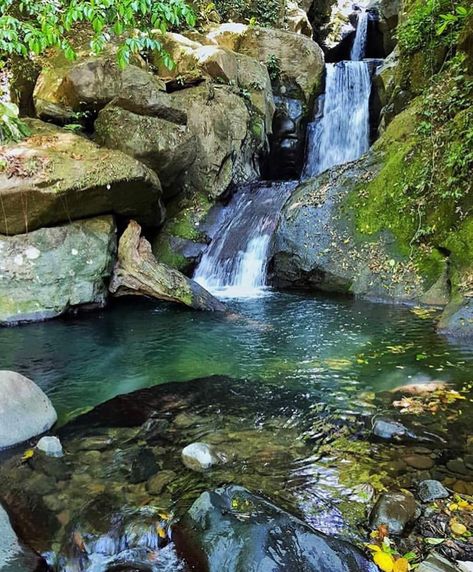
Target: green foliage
(432, 23)
(11, 127)
(254, 12)
(274, 67)
(31, 27)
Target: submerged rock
(56, 176)
(52, 270)
(389, 430)
(200, 456)
(138, 272)
(430, 490)
(231, 529)
(395, 510)
(25, 411)
(15, 557)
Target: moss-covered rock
(49, 271)
(56, 176)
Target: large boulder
(457, 319)
(295, 61)
(231, 529)
(395, 510)
(48, 271)
(70, 91)
(25, 411)
(14, 556)
(56, 176)
(137, 272)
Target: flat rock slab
(48, 271)
(55, 176)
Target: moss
(164, 253)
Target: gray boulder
(232, 529)
(51, 270)
(430, 490)
(457, 319)
(25, 411)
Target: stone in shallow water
(420, 462)
(51, 446)
(232, 530)
(430, 490)
(157, 484)
(199, 456)
(25, 411)
(394, 509)
(437, 563)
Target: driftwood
(137, 272)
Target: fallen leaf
(384, 561)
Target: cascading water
(235, 263)
(340, 130)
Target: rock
(65, 90)
(421, 388)
(297, 60)
(297, 20)
(52, 270)
(51, 446)
(465, 566)
(419, 462)
(167, 148)
(57, 176)
(200, 456)
(430, 490)
(138, 272)
(394, 509)
(25, 411)
(389, 430)
(457, 466)
(143, 466)
(14, 556)
(231, 529)
(437, 563)
(457, 319)
(157, 484)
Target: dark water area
(335, 349)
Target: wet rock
(51, 446)
(138, 272)
(419, 462)
(14, 556)
(395, 431)
(394, 509)
(457, 319)
(25, 411)
(158, 483)
(58, 176)
(199, 456)
(50, 271)
(231, 529)
(143, 466)
(437, 563)
(457, 466)
(430, 490)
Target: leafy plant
(274, 67)
(458, 16)
(11, 126)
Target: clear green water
(333, 348)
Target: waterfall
(235, 263)
(340, 131)
(359, 45)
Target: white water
(359, 45)
(235, 264)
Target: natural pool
(335, 348)
(297, 384)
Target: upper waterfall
(359, 44)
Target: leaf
(385, 562)
(457, 528)
(434, 541)
(401, 565)
(27, 454)
(373, 547)
(161, 532)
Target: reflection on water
(333, 348)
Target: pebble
(420, 462)
(51, 446)
(199, 456)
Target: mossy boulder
(56, 176)
(68, 92)
(52, 270)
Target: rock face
(457, 319)
(69, 91)
(14, 557)
(231, 529)
(55, 176)
(394, 509)
(138, 272)
(25, 411)
(51, 270)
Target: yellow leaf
(453, 506)
(373, 547)
(384, 561)
(161, 532)
(401, 565)
(457, 528)
(27, 454)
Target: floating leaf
(384, 561)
